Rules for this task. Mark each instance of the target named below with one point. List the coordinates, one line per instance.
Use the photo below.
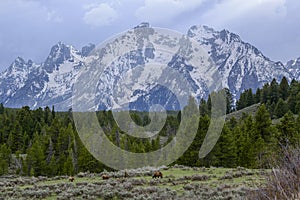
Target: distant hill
(251, 110)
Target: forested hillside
(45, 142)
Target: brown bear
(157, 174)
(71, 178)
(105, 177)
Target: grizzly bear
(157, 174)
(105, 177)
(71, 178)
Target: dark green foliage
(5, 154)
(274, 91)
(281, 108)
(263, 124)
(35, 159)
(288, 135)
(229, 101)
(247, 98)
(50, 145)
(203, 108)
(294, 97)
(1, 108)
(284, 88)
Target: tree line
(45, 142)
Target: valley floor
(178, 182)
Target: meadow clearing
(178, 182)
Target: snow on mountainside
(39, 85)
(293, 66)
(240, 65)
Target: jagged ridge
(240, 64)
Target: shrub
(198, 177)
(284, 181)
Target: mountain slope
(49, 83)
(293, 66)
(240, 65)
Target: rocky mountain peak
(240, 64)
(86, 50)
(143, 25)
(293, 66)
(58, 54)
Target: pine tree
(263, 124)
(257, 96)
(52, 113)
(288, 134)
(284, 88)
(260, 150)
(281, 108)
(203, 108)
(274, 91)
(52, 167)
(297, 99)
(265, 93)
(68, 168)
(25, 120)
(191, 156)
(36, 158)
(229, 101)
(1, 108)
(228, 157)
(245, 139)
(47, 116)
(292, 99)
(5, 155)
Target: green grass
(173, 179)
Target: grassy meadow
(178, 182)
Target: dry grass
(284, 180)
(179, 182)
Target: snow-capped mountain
(293, 66)
(48, 83)
(239, 64)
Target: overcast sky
(29, 28)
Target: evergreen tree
(241, 103)
(35, 158)
(25, 120)
(191, 156)
(209, 105)
(47, 116)
(297, 99)
(228, 157)
(257, 96)
(281, 108)
(245, 138)
(1, 108)
(274, 91)
(263, 124)
(5, 155)
(247, 98)
(203, 108)
(68, 168)
(265, 93)
(288, 134)
(52, 167)
(284, 88)
(292, 99)
(52, 113)
(229, 101)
